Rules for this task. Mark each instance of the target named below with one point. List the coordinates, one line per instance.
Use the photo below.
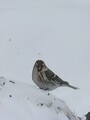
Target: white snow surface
(56, 31)
(21, 101)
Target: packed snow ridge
(22, 101)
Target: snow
(56, 31)
(19, 100)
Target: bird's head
(87, 116)
(40, 65)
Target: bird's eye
(36, 64)
(42, 66)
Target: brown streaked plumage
(45, 79)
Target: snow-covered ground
(57, 31)
(21, 101)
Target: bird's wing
(53, 77)
(55, 80)
(49, 74)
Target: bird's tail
(72, 87)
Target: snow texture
(21, 101)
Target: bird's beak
(39, 68)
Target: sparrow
(87, 116)
(45, 79)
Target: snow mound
(22, 101)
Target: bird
(46, 79)
(87, 116)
